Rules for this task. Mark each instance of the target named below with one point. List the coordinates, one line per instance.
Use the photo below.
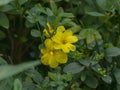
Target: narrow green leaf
(73, 68)
(6, 8)
(21, 2)
(91, 81)
(17, 84)
(107, 79)
(53, 6)
(101, 3)
(4, 22)
(83, 76)
(2, 61)
(112, 51)
(90, 34)
(49, 12)
(117, 75)
(61, 87)
(90, 38)
(85, 62)
(97, 14)
(35, 33)
(68, 15)
(52, 75)
(35, 75)
(82, 34)
(9, 70)
(3, 2)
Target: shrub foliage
(85, 50)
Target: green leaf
(97, 14)
(52, 76)
(6, 8)
(68, 15)
(3, 2)
(112, 51)
(4, 22)
(118, 87)
(91, 82)
(107, 79)
(2, 35)
(90, 34)
(9, 70)
(6, 84)
(35, 75)
(82, 34)
(49, 12)
(21, 2)
(35, 33)
(29, 86)
(73, 68)
(83, 76)
(90, 38)
(17, 84)
(60, 87)
(117, 75)
(85, 62)
(53, 6)
(101, 3)
(2, 61)
(68, 77)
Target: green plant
(94, 65)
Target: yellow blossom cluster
(58, 46)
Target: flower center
(64, 41)
(51, 53)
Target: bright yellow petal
(60, 29)
(68, 47)
(49, 27)
(71, 39)
(45, 59)
(72, 47)
(65, 48)
(46, 33)
(61, 57)
(52, 62)
(49, 44)
(57, 46)
(44, 51)
(57, 38)
(68, 33)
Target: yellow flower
(49, 31)
(63, 40)
(51, 56)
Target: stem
(29, 45)
(40, 32)
(11, 42)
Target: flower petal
(44, 51)
(60, 29)
(46, 33)
(71, 39)
(49, 44)
(65, 48)
(61, 57)
(67, 33)
(52, 62)
(44, 59)
(72, 47)
(57, 46)
(57, 38)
